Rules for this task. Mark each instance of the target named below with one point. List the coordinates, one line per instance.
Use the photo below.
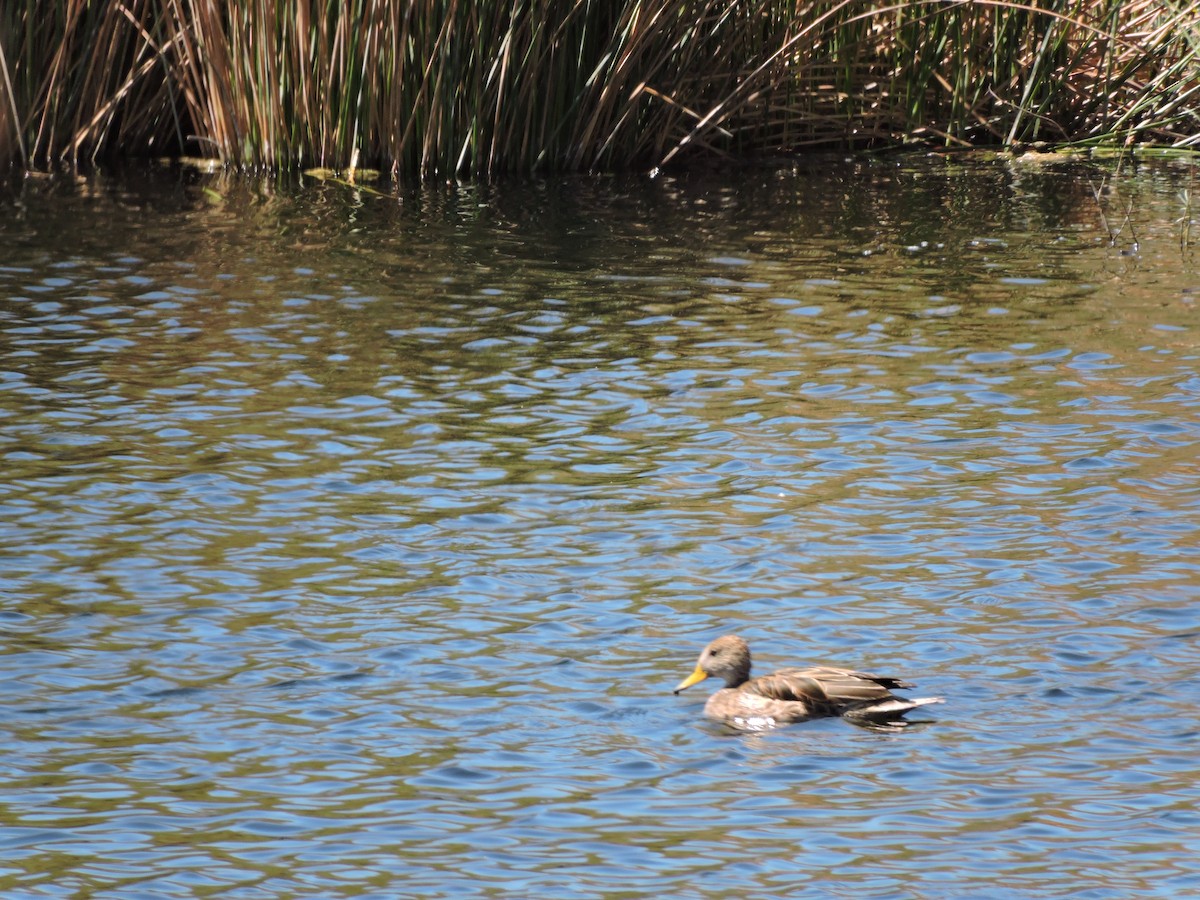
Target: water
(352, 545)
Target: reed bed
(472, 87)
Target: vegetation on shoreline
(442, 87)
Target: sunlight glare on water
(351, 545)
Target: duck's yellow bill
(697, 676)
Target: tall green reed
(452, 87)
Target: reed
(453, 87)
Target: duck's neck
(738, 677)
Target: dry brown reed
(445, 87)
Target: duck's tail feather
(890, 710)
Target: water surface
(350, 545)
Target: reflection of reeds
(468, 86)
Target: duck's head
(727, 658)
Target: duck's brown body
(792, 695)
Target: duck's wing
(865, 680)
(826, 685)
(796, 686)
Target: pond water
(353, 542)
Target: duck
(796, 694)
